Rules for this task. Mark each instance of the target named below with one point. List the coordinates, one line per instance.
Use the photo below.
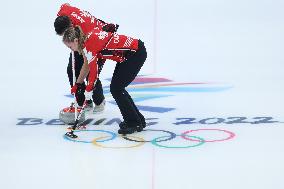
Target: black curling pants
(98, 95)
(124, 73)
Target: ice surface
(220, 65)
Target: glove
(90, 87)
(78, 88)
(110, 28)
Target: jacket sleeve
(93, 74)
(93, 67)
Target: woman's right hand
(78, 88)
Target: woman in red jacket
(130, 55)
(72, 16)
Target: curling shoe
(99, 108)
(89, 105)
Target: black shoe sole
(140, 128)
(128, 130)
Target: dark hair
(61, 23)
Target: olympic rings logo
(132, 141)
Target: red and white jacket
(80, 18)
(106, 45)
